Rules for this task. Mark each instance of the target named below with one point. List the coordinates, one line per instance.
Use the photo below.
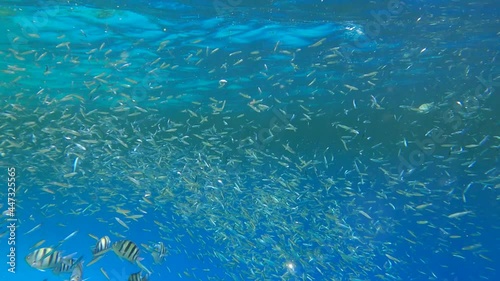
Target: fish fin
(143, 267)
(103, 252)
(94, 260)
(75, 263)
(70, 256)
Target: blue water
(258, 140)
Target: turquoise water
(264, 140)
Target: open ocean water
(250, 140)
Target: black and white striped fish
(102, 246)
(159, 253)
(66, 266)
(46, 258)
(77, 273)
(126, 249)
(137, 277)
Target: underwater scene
(249, 140)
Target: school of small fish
(294, 162)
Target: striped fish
(137, 277)
(44, 258)
(77, 273)
(159, 253)
(126, 249)
(66, 265)
(103, 245)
